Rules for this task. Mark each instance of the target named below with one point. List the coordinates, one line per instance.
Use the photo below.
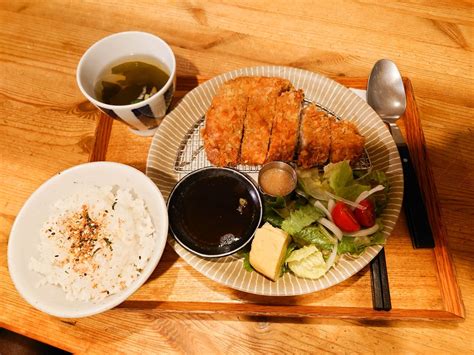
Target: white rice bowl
(108, 257)
(126, 244)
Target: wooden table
(47, 126)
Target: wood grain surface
(47, 126)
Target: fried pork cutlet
(284, 137)
(263, 93)
(346, 142)
(315, 138)
(241, 86)
(256, 119)
(222, 134)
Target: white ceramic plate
(383, 153)
(25, 234)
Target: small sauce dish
(277, 178)
(214, 212)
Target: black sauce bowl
(214, 212)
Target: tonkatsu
(222, 134)
(253, 120)
(315, 138)
(346, 142)
(284, 137)
(259, 118)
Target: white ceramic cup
(143, 117)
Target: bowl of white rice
(87, 239)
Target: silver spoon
(386, 95)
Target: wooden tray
(422, 281)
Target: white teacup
(143, 117)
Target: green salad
(332, 213)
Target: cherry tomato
(344, 218)
(365, 217)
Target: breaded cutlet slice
(269, 85)
(346, 142)
(284, 135)
(263, 92)
(315, 138)
(242, 86)
(222, 133)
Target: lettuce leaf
(314, 235)
(300, 218)
(307, 262)
(310, 182)
(289, 250)
(374, 178)
(338, 175)
(351, 192)
(357, 245)
(337, 179)
(271, 210)
(273, 218)
(247, 266)
(340, 178)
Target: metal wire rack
(191, 155)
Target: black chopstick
(413, 203)
(379, 280)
